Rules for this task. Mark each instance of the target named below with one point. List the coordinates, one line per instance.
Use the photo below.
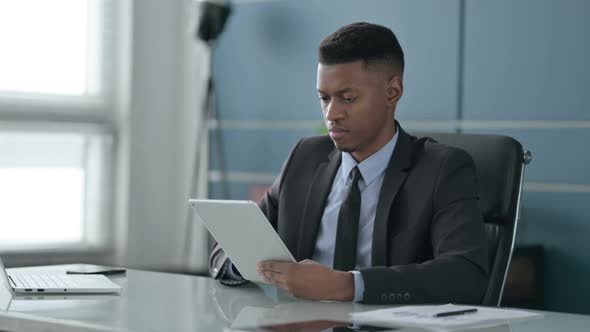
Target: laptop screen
(4, 276)
(5, 289)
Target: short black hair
(364, 41)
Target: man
(371, 213)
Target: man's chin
(343, 148)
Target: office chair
(499, 162)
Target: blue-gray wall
(515, 67)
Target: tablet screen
(243, 232)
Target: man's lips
(337, 133)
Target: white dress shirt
(373, 171)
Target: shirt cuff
(359, 286)
(230, 272)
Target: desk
(154, 301)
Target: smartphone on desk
(95, 269)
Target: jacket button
(407, 297)
(392, 297)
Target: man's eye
(349, 100)
(324, 98)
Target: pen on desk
(456, 312)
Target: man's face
(358, 104)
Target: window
(56, 136)
(50, 47)
(49, 184)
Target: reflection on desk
(154, 301)
(323, 326)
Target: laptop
(57, 283)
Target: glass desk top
(154, 301)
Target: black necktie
(348, 225)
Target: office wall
(265, 66)
(526, 63)
(508, 67)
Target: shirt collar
(373, 166)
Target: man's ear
(395, 89)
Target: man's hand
(309, 280)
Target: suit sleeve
(269, 206)
(458, 273)
(270, 202)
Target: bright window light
(57, 58)
(48, 186)
(44, 46)
(41, 205)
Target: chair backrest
(499, 162)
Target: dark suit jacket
(428, 241)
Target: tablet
(243, 232)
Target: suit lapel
(315, 204)
(395, 175)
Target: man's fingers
(270, 275)
(276, 278)
(275, 266)
(275, 272)
(265, 266)
(281, 282)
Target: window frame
(94, 114)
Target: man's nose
(334, 111)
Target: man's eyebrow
(339, 92)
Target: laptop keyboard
(43, 281)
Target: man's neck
(360, 156)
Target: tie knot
(356, 174)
